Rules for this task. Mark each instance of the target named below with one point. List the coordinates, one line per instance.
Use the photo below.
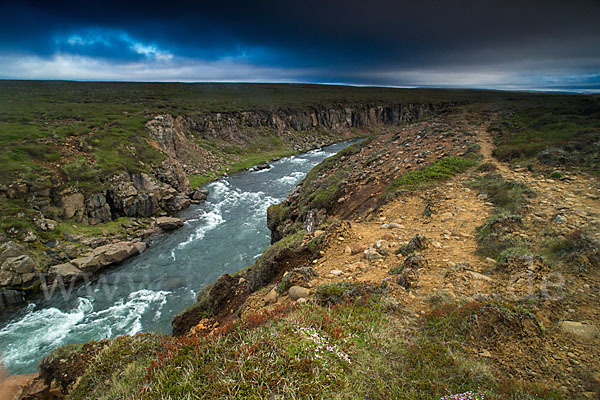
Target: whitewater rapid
(223, 235)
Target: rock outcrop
(169, 223)
(17, 271)
(199, 195)
(236, 125)
(20, 271)
(91, 263)
(138, 195)
(11, 298)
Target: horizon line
(581, 91)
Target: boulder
(415, 261)
(27, 386)
(11, 298)
(298, 292)
(75, 237)
(169, 223)
(10, 249)
(297, 277)
(98, 210)
(16, 190)
(357, 248)
(490, 261)
(18, 271)
(581, 330)
(199, 195)
(407, 278)
(127, 200)
(480, 277)
(180, 203)
(559, 219)
(446, 216)
(70, 203)
(114, 253)
(372, 254)
(172, 174)
(383, 247)
(419, 242)
(140, 246)
(143, 182)
(270, 297)
(261, 167)
(388, 236)
(67, 272)
(29, 237)
(44, 224)
(88, 264)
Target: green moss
(495, 236)
(289, 242)
(278, 212)
(343, 292)
(15, 215)
(62, 352)
(519, 250)
(268, 265)
(124, 360)
(70, 226)
(82, 175)
(556, 175)
(428, 175)
(324, 198)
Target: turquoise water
(225, 234)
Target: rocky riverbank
(57, 231)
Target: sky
(542, 45)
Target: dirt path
(454, 270)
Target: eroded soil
(532, 350)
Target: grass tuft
(438, 171)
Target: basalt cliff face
(188, 145)
(178, 139)
(299, 129)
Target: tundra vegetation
(347, 339)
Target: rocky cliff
(202, 145)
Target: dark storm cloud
(442, 43)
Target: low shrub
(579, 251)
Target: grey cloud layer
(460, 43)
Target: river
(223, 235)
